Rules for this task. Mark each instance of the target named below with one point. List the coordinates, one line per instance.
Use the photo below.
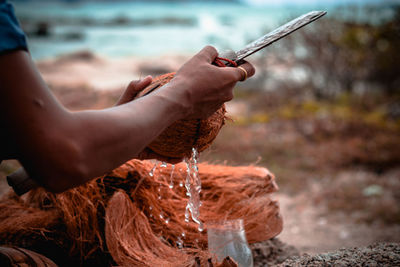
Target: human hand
(130, 93)
(201, 88)
(133, 89)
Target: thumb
(133, 89)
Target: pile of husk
(129, 218)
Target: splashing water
(193, 189)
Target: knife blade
(275, 35)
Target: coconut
(179, 138)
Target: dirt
(311, 229)
(380, 254)
(311, 238)
(272, 252)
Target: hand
(133, 89)
(130, 93)
(200, 87)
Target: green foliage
(341, 56)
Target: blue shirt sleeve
(11, 35)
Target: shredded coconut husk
(179, 138)
(116, 219)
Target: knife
(262, 42)
(274, 36)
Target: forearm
(122, 131)
(83, 145)
(62, 149)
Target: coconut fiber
(178, 139)
(128, 218)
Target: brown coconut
(179, 138)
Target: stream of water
(193, 189)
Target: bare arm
(62, 149)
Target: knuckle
(208, 51)
(210, 48)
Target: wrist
(176, 94)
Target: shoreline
(88, 71)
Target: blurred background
(322, 112)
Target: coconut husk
(179, 138)
(129, 218)
(16, 257)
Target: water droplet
(161, 216)
(167, 221)
(201, 227)
(163, 165)
(171, 181)
(180, 184)
(150, 208)
(187, 214)
(179, 242)
(151, 173)
(183, 234)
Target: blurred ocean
(143, 28)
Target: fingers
(133, 89)
(208, 54)
(247, 71)
(241, 73)
(136, 86)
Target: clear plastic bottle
(228, 238)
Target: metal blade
(277, 34)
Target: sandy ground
(311, 232)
